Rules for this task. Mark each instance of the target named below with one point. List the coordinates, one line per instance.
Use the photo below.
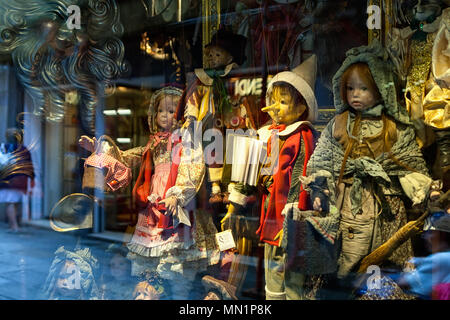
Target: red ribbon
(158, 209)
(160, 137)
(275, 129)
(279, 127)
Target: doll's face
(282, 108)
(359, 96)
(119, 267)
(165, 112)
(67, 284)
(216, 57)
(425, 9)
(145, 291)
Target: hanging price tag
(225, 240)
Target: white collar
(264, 133)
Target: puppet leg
(274, 261)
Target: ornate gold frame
(387, 8)
(211, 20)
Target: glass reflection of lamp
(152, 48)
(157, 51)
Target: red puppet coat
(271, 220)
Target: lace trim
(159, 250)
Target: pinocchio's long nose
(272, 107)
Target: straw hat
(73, 212)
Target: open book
(245, 154)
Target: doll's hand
(434, 195)
(171, 204)
(87, 143)
(153, 198)
(435, 201)
(317, 205)
(321, 202)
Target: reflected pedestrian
(16, 168)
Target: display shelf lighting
(120, 112)
(110, 112)
(123, 140)
(124, 112)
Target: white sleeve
(416, 186)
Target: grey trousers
(281, 284)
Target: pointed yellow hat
(302, 78)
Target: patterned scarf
(219, 90)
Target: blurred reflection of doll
(145, 291)
(152, 288)
(72, 276)
(285, 35)
(116, 278)
(337, 26)
(422, 57)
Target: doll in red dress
(167, 238)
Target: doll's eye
(364, 88)
(349, 88)
(283, 102)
